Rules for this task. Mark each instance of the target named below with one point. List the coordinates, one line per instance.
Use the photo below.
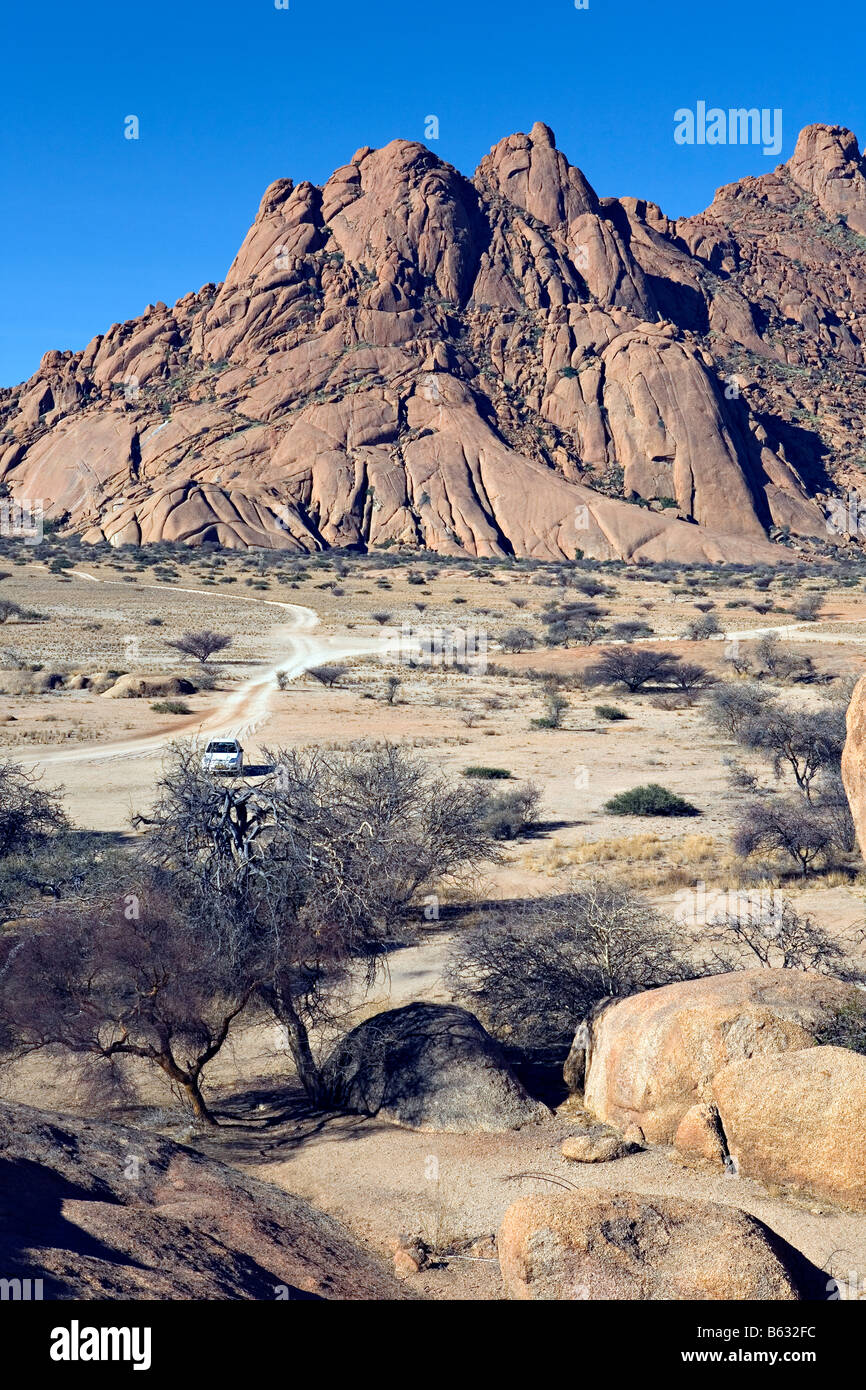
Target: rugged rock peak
(507, 365)
(402, 213)
(828, 164)
(534, 175)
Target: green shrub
(650, 800)
(170, 707)
(489, 773)
(610, 712)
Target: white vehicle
(223, 755)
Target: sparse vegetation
(650, 800)
(201, 645)
(612, 713)
(532, 973)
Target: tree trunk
(190, 1085)
(299, 1044)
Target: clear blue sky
(232, 94)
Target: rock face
(616, 1245)
(99, 1211)
(429, 1066)
(506, 364)
(799, 1120)
(653, 1056)
(854, 760)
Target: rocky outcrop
(101, 1211)
(799, 1121)
(653, 1056)
(503, 365)
(147, 687)
(616, 1245)
(854, 760)
(429, 1066)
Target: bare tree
(313, 870)
(688, 675)
(573, 622)
(201, 645)
(517, 639)
(107, 984)
(835, 811)
(768, 651)
(788, 825)
(534, 969)
(633, 667)
(806, 740)
(777, 936)
(28, 811)
(700, 629)
(731, 707)
(808, 607)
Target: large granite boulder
(429, 1066)
(798, 1120)
(653, 1056)
(617, 1245)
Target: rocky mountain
(506, 364)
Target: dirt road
(243, 710)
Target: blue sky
(231, 94)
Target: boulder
(429, 1066)
(653, 1056)
(700, 1135)
(616, 1245)
(596, 1145)
(104, 1211)
(799, 1121)
(137, 687)
(854, 760)
(25, 682)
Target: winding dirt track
(243, 710)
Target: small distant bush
(490, 774)
(808, 607)
(511, 814)
(517, 639)
(610, 712)
(699, 629)
(650, 800)
(325, 675)
(8, 610)
(556, 706)
(170, 707)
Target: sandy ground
(107, 754)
